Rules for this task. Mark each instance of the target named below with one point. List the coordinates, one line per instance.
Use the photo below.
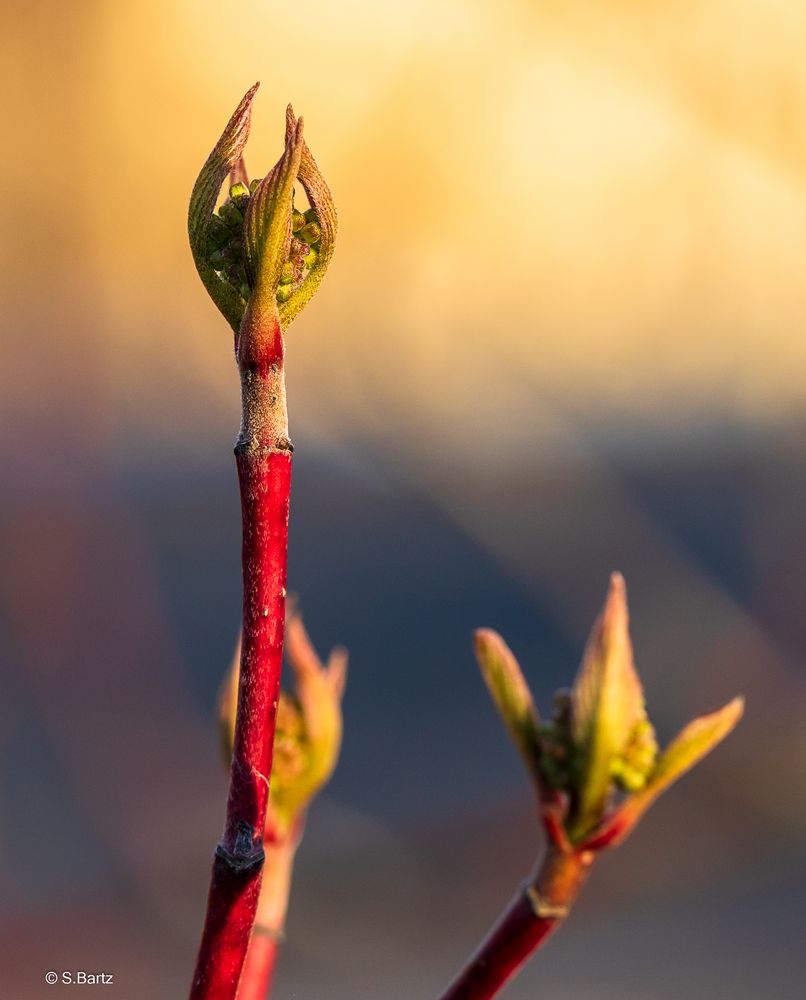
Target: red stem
(540, 906)
(258, 971)
(268, 931)
(263, 458)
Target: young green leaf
(324, 208)
(510, 692)
(267, 226)
(225, 157)
(692, 743)
(607, 702)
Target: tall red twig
(263, 458)
(260, 276)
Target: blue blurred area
(115, 642)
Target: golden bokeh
(596, 208)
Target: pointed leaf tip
(318, 691)
(510, 692)
(225, 157)
(337, 670)
(694, 742)
(616, 600)
(267, 226)
(321, 201)
(239, 174)
(608, 701)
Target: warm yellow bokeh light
(601, 204)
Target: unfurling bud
(599, 752)
(309, 725)
(253, 228)
(239, 195)
(311, 233)
(218, 234)
(232, 216)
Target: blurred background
(562, 335)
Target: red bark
(265, 481)
(259, 968)
(263, 457)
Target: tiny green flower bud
(284, 293)
(239, 194)
(310, 258)
(642, 749)
(288, 274)
(311, 216)
(628, 779)
(231, 215)
(253, 185)
(297, 250)
(218, 234)
(310, 233)
(297, 221)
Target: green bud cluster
(225, 241)
(557, 751)
(291, 755)
(559, 756)
(632, 769)
(302, 255)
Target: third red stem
(531, 916)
